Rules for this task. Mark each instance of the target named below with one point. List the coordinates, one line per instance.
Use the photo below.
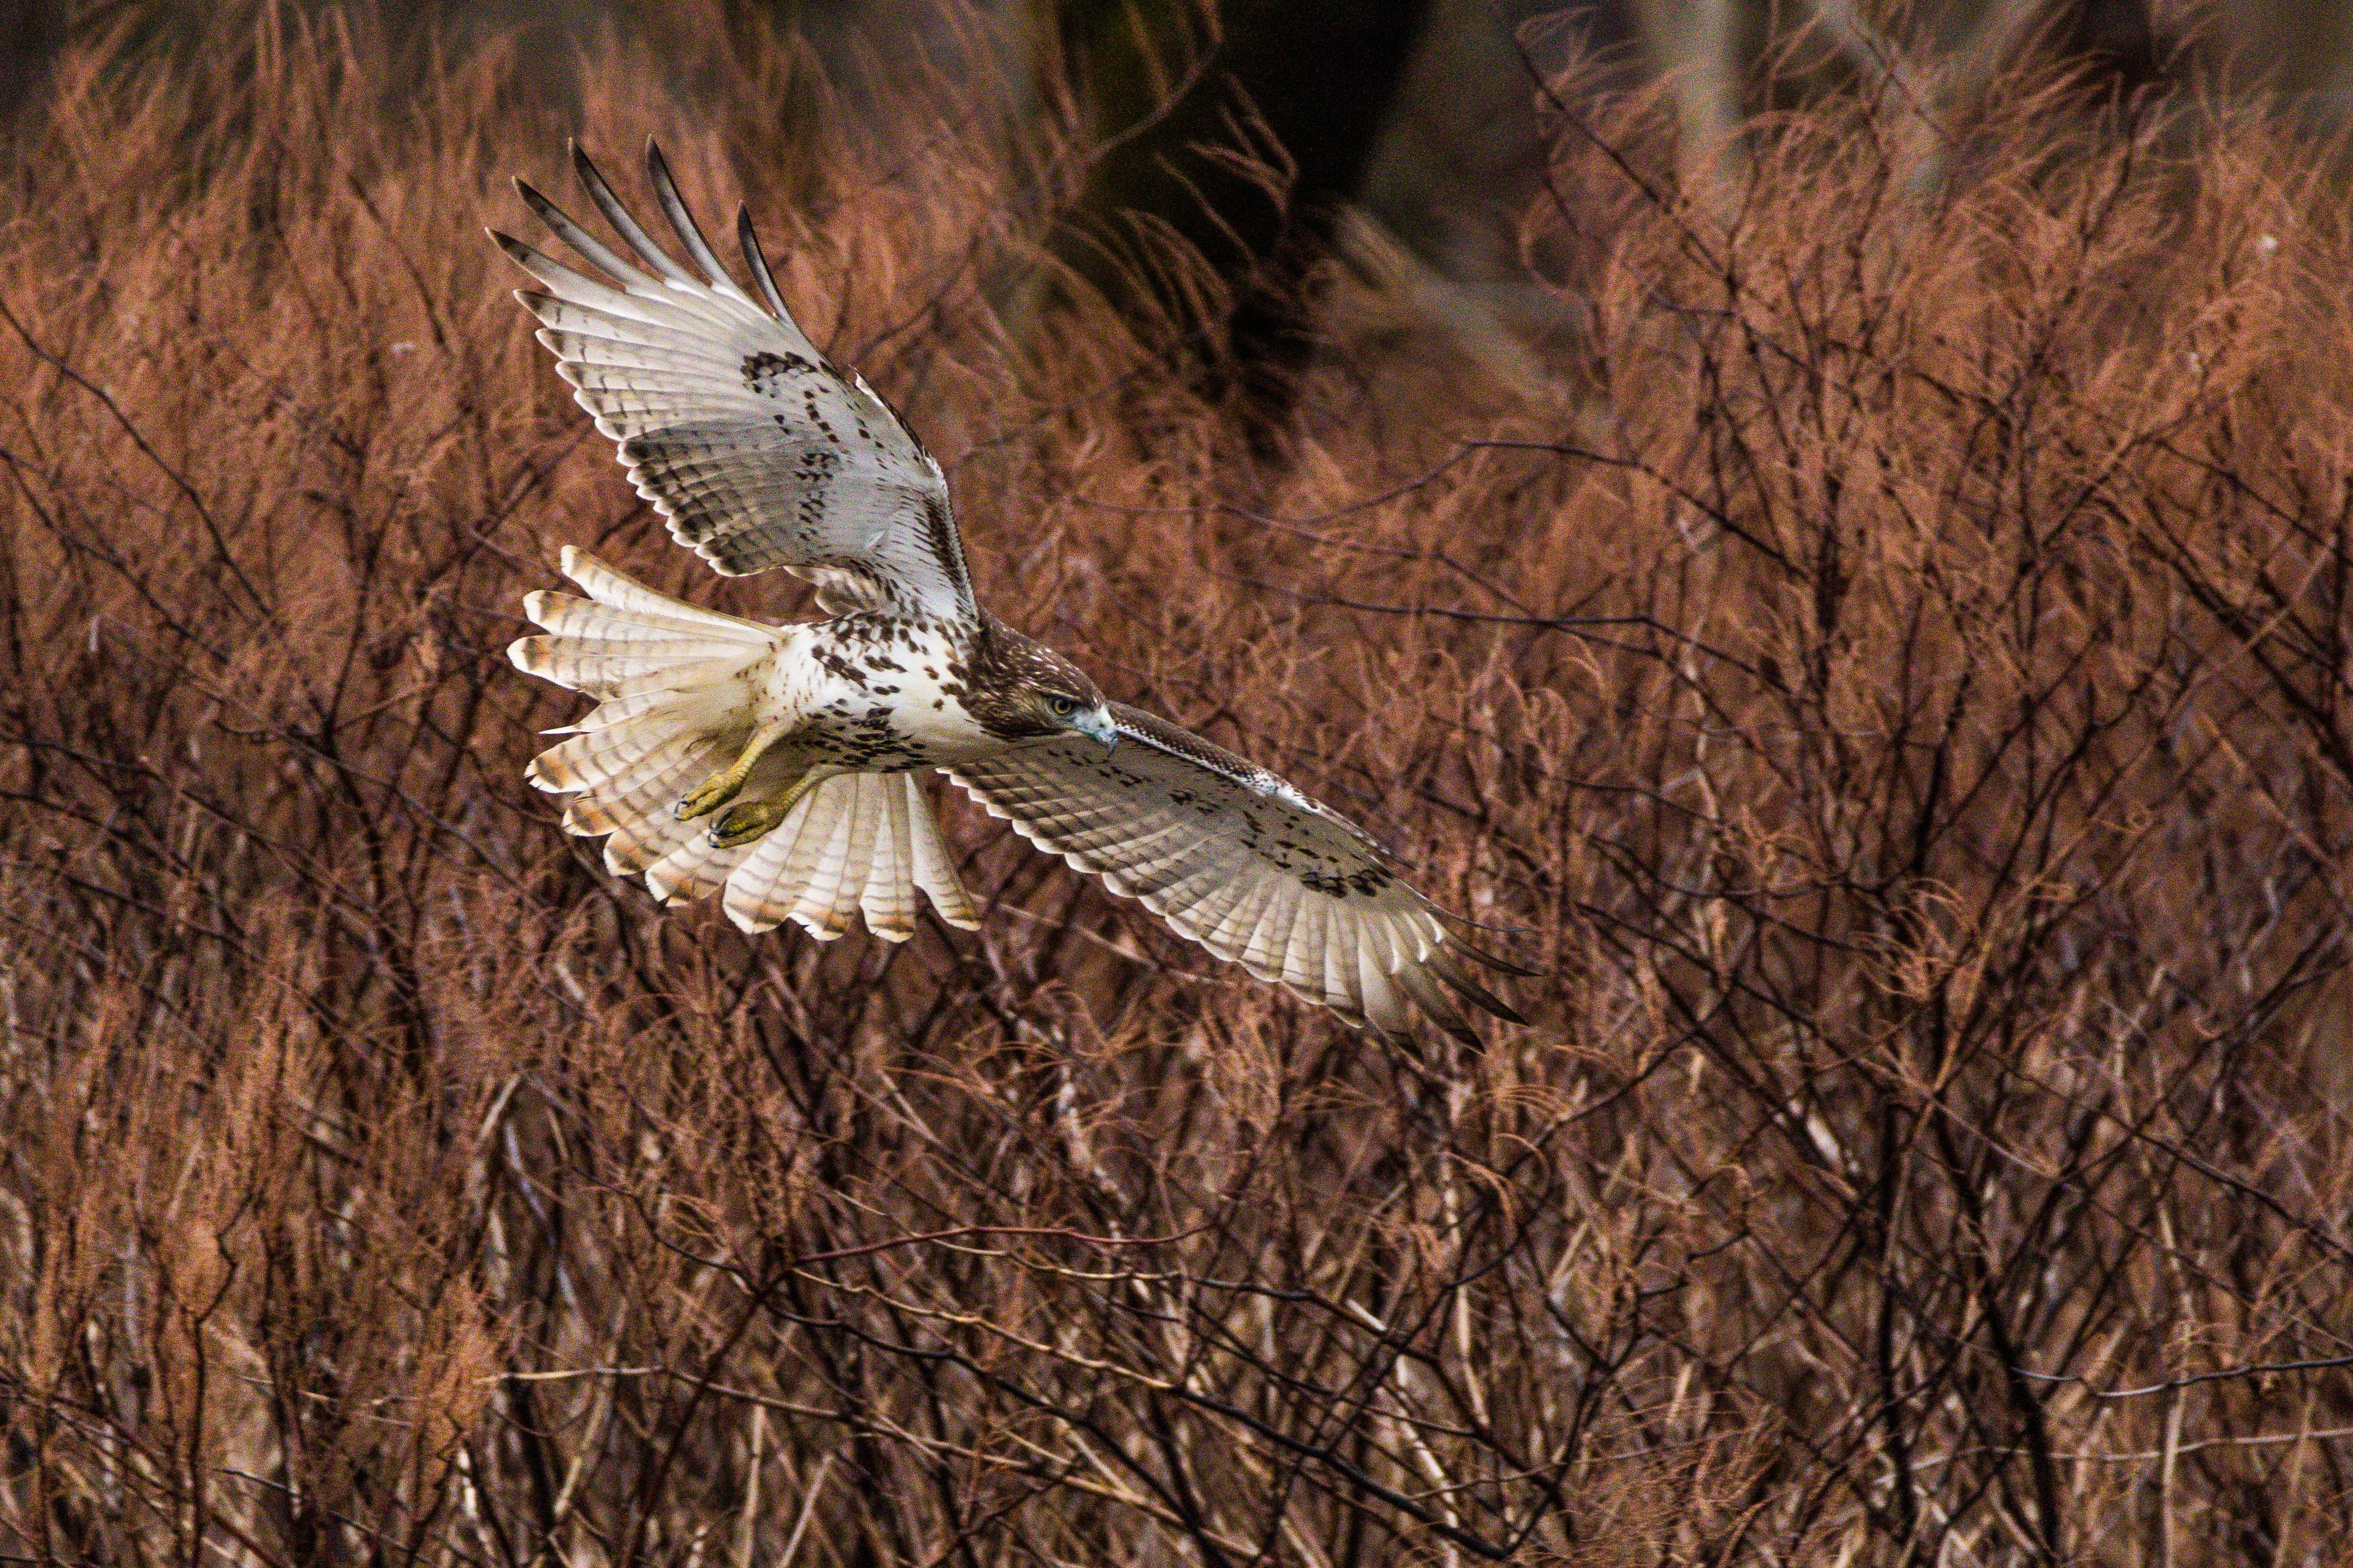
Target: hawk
(776, 766)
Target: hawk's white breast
(905, 672)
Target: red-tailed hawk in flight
(776, 766)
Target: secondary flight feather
(776, 766)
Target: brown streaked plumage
(775, 765)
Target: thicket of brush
(1898, 693)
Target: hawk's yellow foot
(754, 818)
(728, 783)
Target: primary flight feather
(776, 765)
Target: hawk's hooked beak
(1099, 726)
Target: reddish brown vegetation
(1901, 699)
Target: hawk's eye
(1062, 706)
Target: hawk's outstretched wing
(1239, 861)
(759, 450)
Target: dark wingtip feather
(1461, 1030)
(537, 202)
(1443, 965)
(1500, 965)
(633, 234)
(584, 168)
(1415, 979)
(1500, 1009)
(747, 240)
(596, 252)
(681, 221)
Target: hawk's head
(1021, 689)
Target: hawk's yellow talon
(726, 784)
(713, 792)
(753, 819)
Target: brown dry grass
(1901, 699)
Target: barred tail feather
(664, 671)
(859, 843)
(695, 867)
(933, 870)
(670, 712)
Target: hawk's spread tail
(670, 712)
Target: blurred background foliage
(1261, 135)
(1836, 535)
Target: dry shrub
(1899, 700)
